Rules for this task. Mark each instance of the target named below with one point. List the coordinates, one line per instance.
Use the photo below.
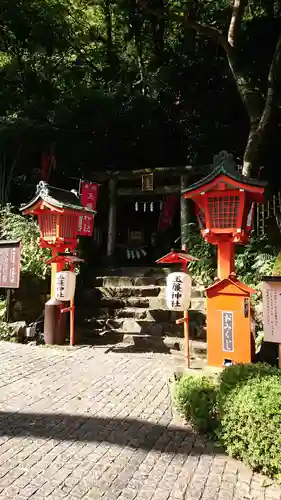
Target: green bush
(237, 375)
(33, 257)
(195, 398)
(6, 330)
(250, 427)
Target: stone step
(135, 302)
(119, 281)
(144, 326)
(136, 271)
(125, 292)
(138, 281)
(132, 312)
(142, 341)
(139, 318)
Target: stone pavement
(90, 423)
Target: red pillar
(225, 259)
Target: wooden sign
(227, 331)
(9, 263)
(147, 182)
(271, 295)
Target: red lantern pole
(225, 259)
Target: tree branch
(236, 18)
(258, 133)
(209, 32)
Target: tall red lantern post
(225, 210)
(182, 258)
(58, 213)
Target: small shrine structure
(225, 211)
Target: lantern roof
(65, 258)
(224, 170)
(176, 257)
(57, 198)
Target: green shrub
(250, 428)
(6, 330)
(237, 375)
(33, 257)
(195, 398)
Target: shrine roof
(224, 165)
(59, 198)
(232, 281)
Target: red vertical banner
(89, 194)
(45, 167)
(169, 209)
(89, 198)
(48, 163)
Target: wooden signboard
(271, 295)
(227, 331)
(9, 263)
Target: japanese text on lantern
(272, 311)
(177, 292)
(61, 286)
(227, 331)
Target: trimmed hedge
(250, 428)
(195, 398)
(242, 408)
(237, 375)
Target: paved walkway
(90, 424)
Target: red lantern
(58, 213)
(225, 208)
(224, 202)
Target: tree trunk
(108, 24)
(136, 24)
(259, 132)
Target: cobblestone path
(94, 424)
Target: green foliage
(241, 408)
(251, 424)
(233, 377)
(255, 260)
(203, 271)
(33, 257)
(195, 398)
(6, 330)
(276, 271)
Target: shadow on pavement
(116, 431)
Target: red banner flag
(168, 211)
(89, 198)
(89, 194)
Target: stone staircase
(128, 305)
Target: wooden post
(184, 214)
(111, 238)
(53, 275)
(184, 320)
(186, 339)
(72, 320)
(9, 304)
